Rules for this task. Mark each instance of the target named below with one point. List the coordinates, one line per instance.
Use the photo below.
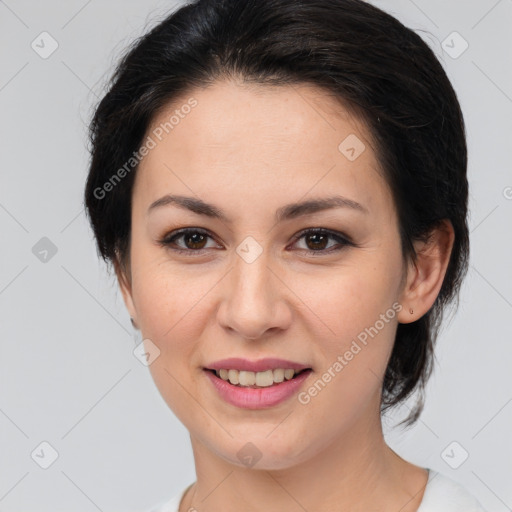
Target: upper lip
(261, 365)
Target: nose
(255, 300)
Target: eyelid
(342, 239)
(167, 239)
(324, 231)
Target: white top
(442, 494)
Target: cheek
(354, 317)
(172, 316)
(162, 292)
(350, 300)
(168, 306)
(173, 308)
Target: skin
(249, 151)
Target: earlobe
(425, 275)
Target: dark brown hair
(352, 50)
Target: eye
(195, 239)
(318, 239)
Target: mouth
(257, 380)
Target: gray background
(68, 376)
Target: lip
(257, 398)
(261, 365)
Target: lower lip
(257, 398)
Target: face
(256, 281)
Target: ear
(425, 276)
(124, 280)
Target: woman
(281, 189)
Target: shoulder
(171, 505)
(443, 494)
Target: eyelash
(169, 239)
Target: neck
(356, 471)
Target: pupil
(192, 236)
(312, 236)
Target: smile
(253, 396)
(263, 379)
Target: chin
(263, 453)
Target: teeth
(288, 374)
(256, 379)
(233, 377)
(279, 375)
(246, 378)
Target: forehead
(257, 139)
(230, 115)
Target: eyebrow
(287, 212)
